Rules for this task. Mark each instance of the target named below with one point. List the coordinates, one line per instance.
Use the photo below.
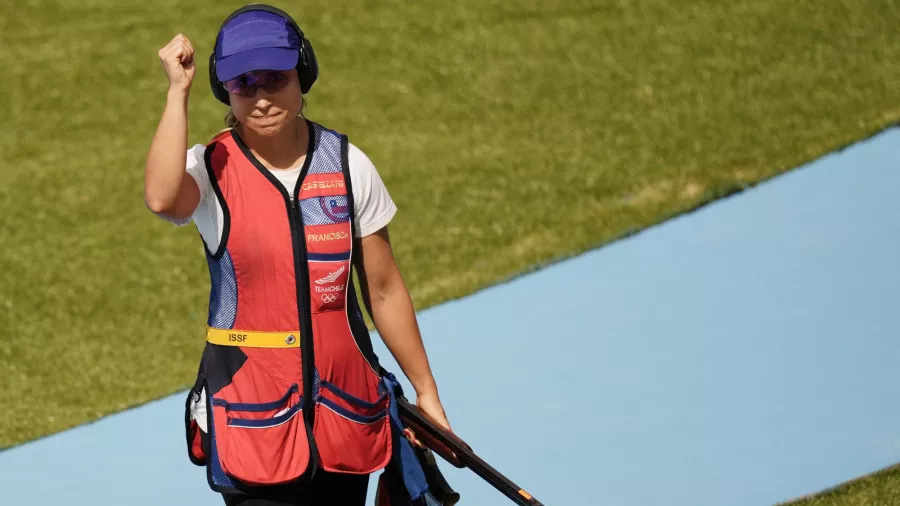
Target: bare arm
(387, 298)
(167, 189)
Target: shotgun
(458, 453)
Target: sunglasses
(245, 85)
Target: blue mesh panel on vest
(327, 154)
(223, 291)
(325, 210)
(219, 478)
(315, 385)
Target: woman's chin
(267, 129)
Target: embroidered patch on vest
(327, 210)
(329, 280)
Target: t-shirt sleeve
(195, 165)
(372, 203)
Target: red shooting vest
(283, 267)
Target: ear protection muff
(307, 66)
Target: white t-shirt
(372, 203)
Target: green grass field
(877, 489)
(483, 117)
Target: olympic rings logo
(329, 297)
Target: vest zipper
(307, 356)
(301, 278)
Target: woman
(290, 405)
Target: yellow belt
(251, 339)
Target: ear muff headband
(307, 66)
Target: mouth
(267, 116)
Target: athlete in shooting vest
(290, 404)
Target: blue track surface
(743, 354)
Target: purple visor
(255, 40)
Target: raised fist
(177, 58)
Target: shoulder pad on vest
(219, 136)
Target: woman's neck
(285, 150)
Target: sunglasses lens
(244, 84)
(247, 84)
(274, 81)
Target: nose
(263, 99)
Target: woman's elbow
(383, 288)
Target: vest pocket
(262, 443)
(354, 435)
(193, 430)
